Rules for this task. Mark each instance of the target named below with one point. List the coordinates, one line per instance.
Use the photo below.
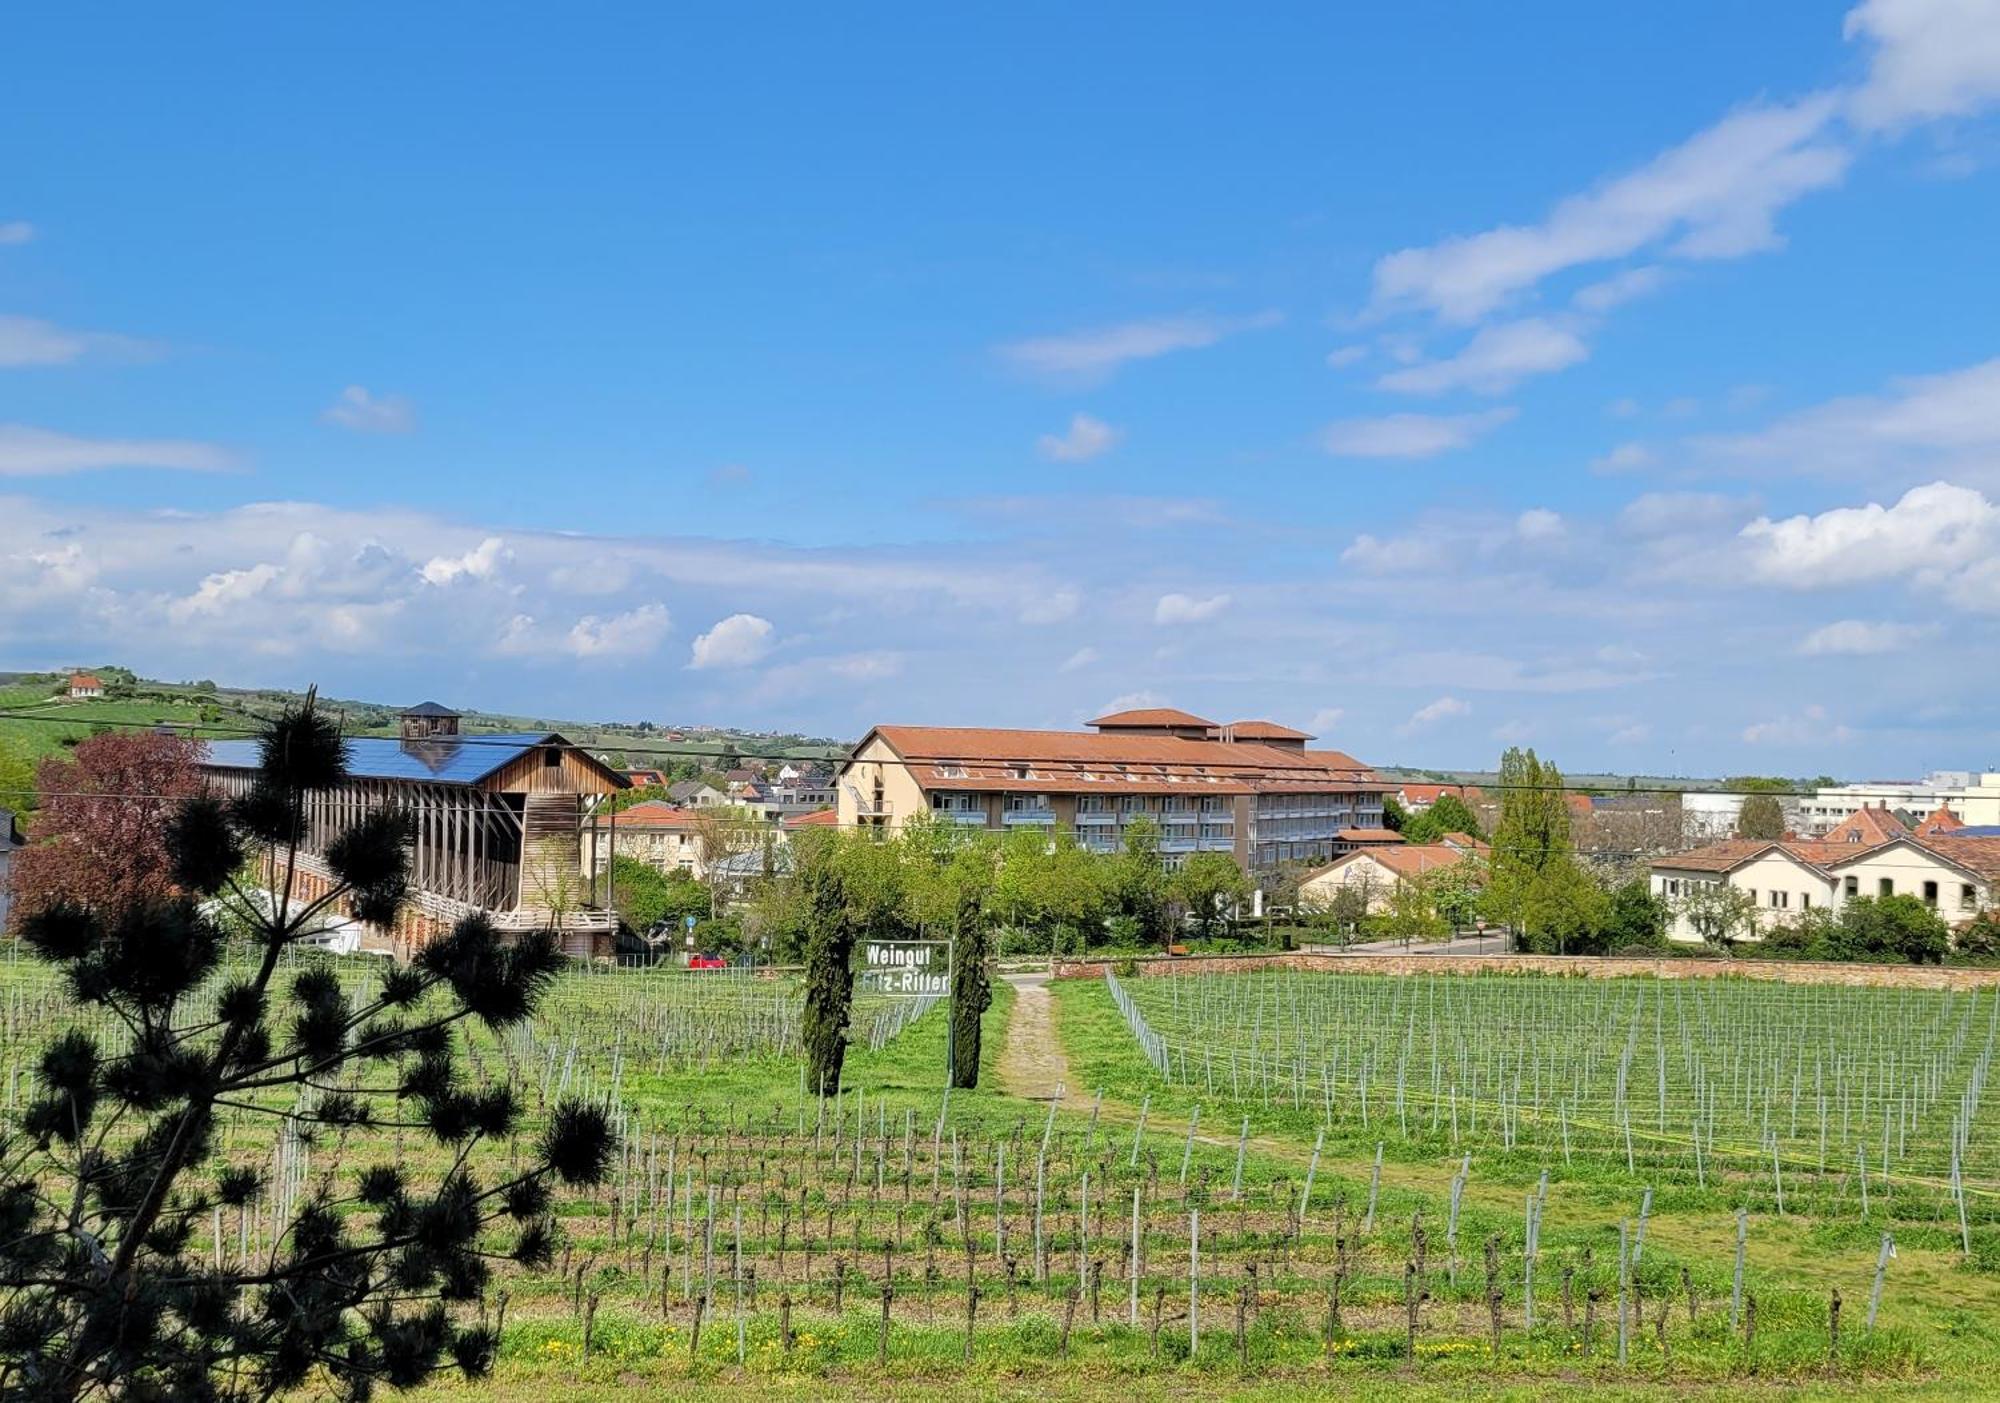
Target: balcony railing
(1029, 816)
(1086, 818)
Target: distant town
(544, 822)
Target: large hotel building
(1251, 789)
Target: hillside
(36, 721)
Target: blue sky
(1621, 382)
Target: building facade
(1957, 877)
(498, 825)
(1375, 872)
(1972, 796)
(1259, 795)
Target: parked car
(707, 962)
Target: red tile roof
(1941, 821)
(1152, 716)
(1381, 836)
(818, 818)
(651, 814)
(1261, 730)
(1428, 794)
(1406, 861)
(84, 679)
(1867, 825)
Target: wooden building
(499, 821)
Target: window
(1968, 897)
(1780, 900)
(1886, 887)
(551, 759)
(1805, 901)
(1852, 887)
(1753, 896)
(1930, 893)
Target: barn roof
(440, 760)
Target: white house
(1375, 872)
(82, 685)
(1957, 877)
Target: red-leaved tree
(100, 836)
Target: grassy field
(788, 1213)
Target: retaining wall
(1574, 966)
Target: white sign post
(911, 969)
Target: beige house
(1958, 877)
(1376, 871)
(654, 833)
(1251, 789)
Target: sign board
(908, 969)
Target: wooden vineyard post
(1133, 1319)
(1736, 1285)
(1881, 1269)
(1194, 1281)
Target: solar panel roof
(438, 760)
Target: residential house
(696, 794)
(1262, 801)
(498, 825)
(82, 686)
(646, 779)
(1376, 872)
(655, 833)
(1415, 798)
(1956, 876)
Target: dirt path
(1032, 1065)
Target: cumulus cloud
(1811, 727)
(631, 634)
(1495, 360)
(1443, 709)
(1929, 59)
(1096, 354)
(1676, 513)
(367, 413)
(1538, 524)
(1343, 356)
(1086, 438)
(16, 231)
(1080, 659)
(1716, 195)
(737, 641)
(1410, 435)
(1325, 720)
(1187, 609)
(26, 451)
(1928, 530)
(482, 562)
(1860, 638)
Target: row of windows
(1968, 894)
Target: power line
(693, 752)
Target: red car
(707, 962)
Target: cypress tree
(971, 986)
(829, 962)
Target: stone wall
(1574, 966)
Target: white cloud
(630, 634)
(1080, 659)
(1624, 407)
(1538, 524)
(1393, 555)
(1443, 709)
(1410, 435)
(16, 231)
(1495, 360)
(26, 451)
(1325, 720)
(1141, 700)
(1811, 727)
(1928, 531)
(1956, 412)
(1716, 195)
(737, 641)
(1931, 58)
(866, 667)
(1186, 609)
(1087, 438)
(368, 413)
(1343, 356)
(1634, 734)
(1620, 288)
(29, 341)
(482, 562)
(1089, 356)
(1859, 638)
(1678, 513)
(1625, 458)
